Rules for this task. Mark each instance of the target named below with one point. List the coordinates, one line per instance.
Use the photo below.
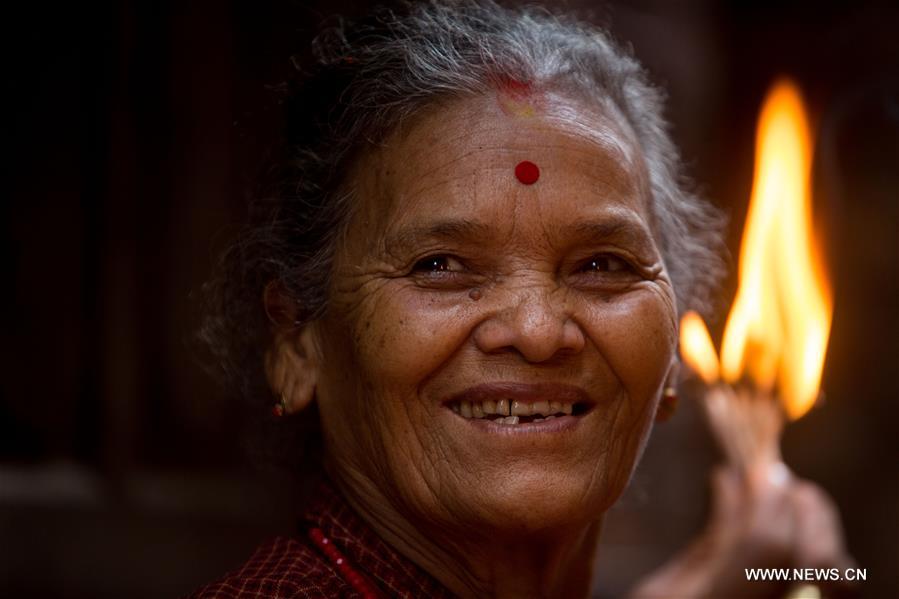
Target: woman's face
(461, 292)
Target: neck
(546, 563)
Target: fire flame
(776, 333)
(697, 348)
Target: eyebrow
(614, 227)
(451, 229)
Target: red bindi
(527, 172)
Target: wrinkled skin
(454, 273)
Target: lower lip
(559, 424)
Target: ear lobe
(671, 378)
(292, 366)
(668, 402)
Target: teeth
(466, 409)
(508, 410)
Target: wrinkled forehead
(454, 152)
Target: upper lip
(523, 392)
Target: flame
(697, 348)
(776, 333)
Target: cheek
(636, 338)
(388, 346)
(406, 335)
(380, 348)
(636, 335)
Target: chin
(538, 501)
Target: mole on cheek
(475, 294)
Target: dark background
(134, 131)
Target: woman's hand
(762, 517)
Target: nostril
(493, 336)
(572, 336)
(534, 324)
(535, 342)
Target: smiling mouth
(514, 403)
(510, 411)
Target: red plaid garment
(295, 567)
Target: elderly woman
(470, 285)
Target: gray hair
(376, 74)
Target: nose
(533, 322)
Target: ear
(292, 366)
(292, 359)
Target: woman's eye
(436, 264)
(441, 271)
(606, 263)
